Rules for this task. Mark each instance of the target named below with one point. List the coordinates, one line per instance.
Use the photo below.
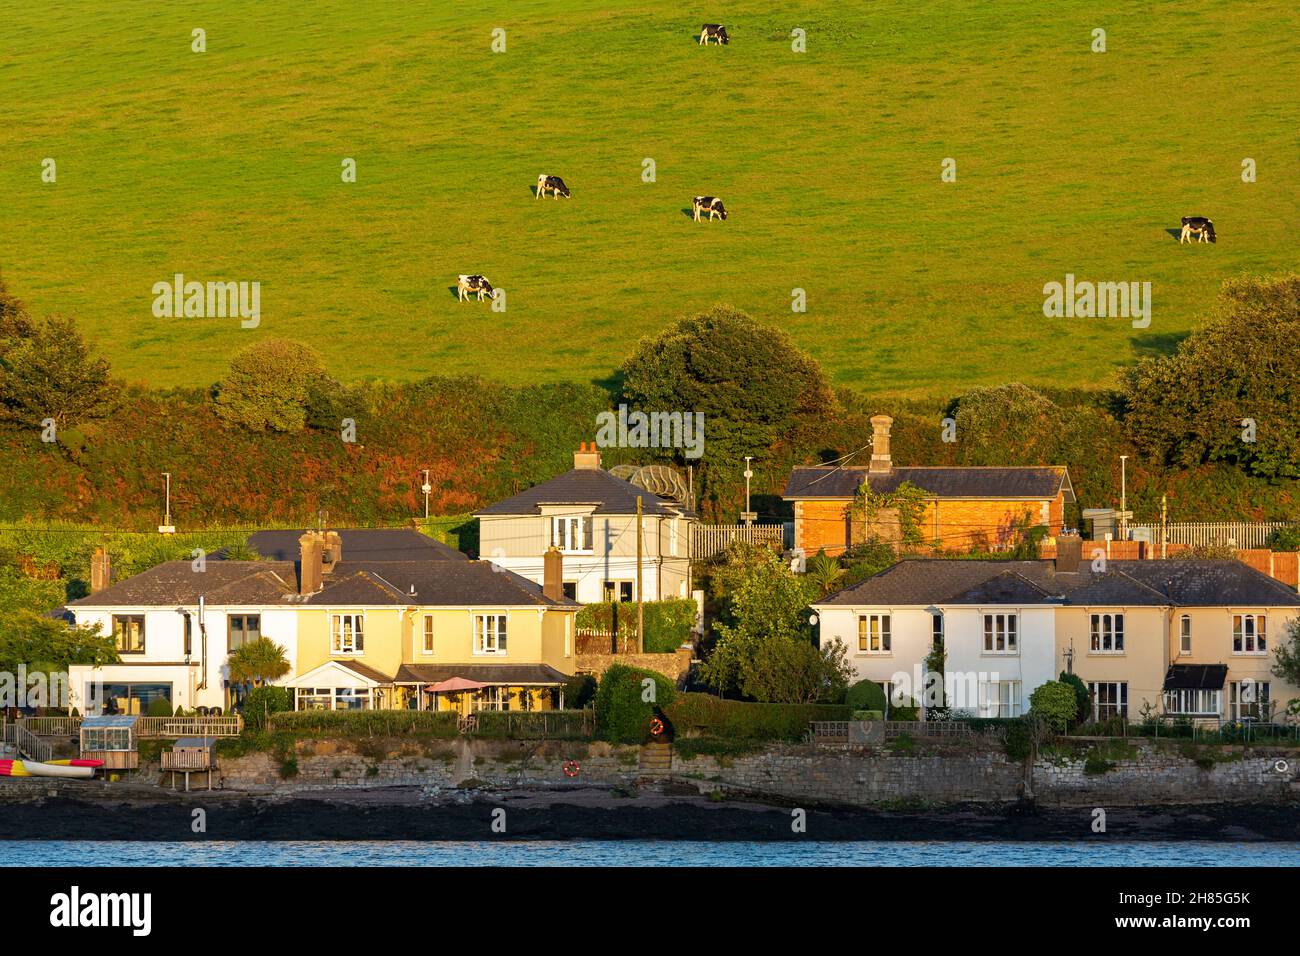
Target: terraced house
(1180, 638)
(965, 508)
(379, 631)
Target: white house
(590, 515)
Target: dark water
(644, 853)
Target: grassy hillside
(226, 165)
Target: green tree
(257, 662)
(754, 386)
(47, 371)
(1286, 654)
(824, 572)
(1228, 393)
(41, 643)
(1055, 703)
(624, 702)
(270, 386)
(1082, 698)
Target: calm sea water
(642, 853)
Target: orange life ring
(656, 726)
(572, 768)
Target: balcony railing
(189, 726)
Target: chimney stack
(312, 546)
(881, 462)
(332, 550)
(553, 574)
(1069, 553)
(587, 457)
(100, 571)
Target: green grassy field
(226, 165)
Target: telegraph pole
(640, 608)
(1164, 526)
(748, 516)
(1123, 498)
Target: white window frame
(426, 634)
(1004, 626)
(1251, 632)
(1262, 697)
(491, 641)
(1185, 635)
(1106, 633)
(994, 704)
(882, 634)
(1200, 698)
(338, 647)
(565, 527)
(1119, 704)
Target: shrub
(622, 715)
(269, 386)
(579, 691)
(1081, 696)
(1285, 539)
(707, 716)
(667, 623)
(865, 695)
(1019, 739)
(365, 723)
(261, 702)
(159, 707)
(1056, 703)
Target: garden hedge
(707, 716)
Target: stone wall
(674, 665)
(1158, 776)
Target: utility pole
(1123, 498)
(748, 516)
(426, 488)
(1164, 526)
(640, 608)
(167, 527)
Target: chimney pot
(587, 458)
(311, 548)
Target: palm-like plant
(824, 571)
(257, 662)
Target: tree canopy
(271, 386)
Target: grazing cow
(553, 184)
(1197, 226)
(710, 204)
(713, 31)
(476, 284)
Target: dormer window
(571, 533)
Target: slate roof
(582, 486)
(365, 670)
(924, 582)
(1036, 482)
(359, 544)
(513, 674)
(349, 584)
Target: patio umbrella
(453, 684)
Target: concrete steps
(656, 759)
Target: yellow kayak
(82, 769)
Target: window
(1109, 699)
(128, 631)
(999, 634)
(873, 633)
(313, 698)
(936, 629)
(570, 590)
(127, 698)
(1249, 700)
(1248, 634)
(347, 633)
(492, 698)
(189, 635)
(1188, 702)
(1185, 634)
(617, 591)
(1002, 698)
(351, 698)
(242, 628)
(428, 634)
(489, 633)
(1107, 634)
(571, 532)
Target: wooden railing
(32, 746)
(712, 540)
(186, 760)
(1238, 534)
(52, 726)
(189, 726)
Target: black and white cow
(552, 184)
(476, 284)
(1197, 226)
(710, 204)
(713, 31)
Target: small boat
(81, 769)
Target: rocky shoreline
(424, 814)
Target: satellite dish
(662, 481)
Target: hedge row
(366, 723)
(707, 716)
(667, 623)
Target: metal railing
(32, 746)
(1238, 534)
(712, 540)
(189, 726)
(52, 726)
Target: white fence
(711, 540)
(1238, 534)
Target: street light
(167, 527)
(426, 488)
(748, 516)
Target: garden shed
(111, 739)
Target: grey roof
(926, 582)
(359, 544)
(348, 584)
(514, 674)
(110, 720)
(1196, 676)
(1035, 482)
(365, 670)
(583, 486)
